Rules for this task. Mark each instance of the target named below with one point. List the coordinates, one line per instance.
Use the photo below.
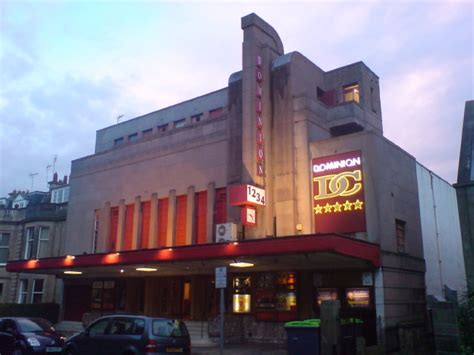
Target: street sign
(221, 277)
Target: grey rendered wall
(190, 156)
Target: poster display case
(241, 298)
(358, 297)
(275, 296)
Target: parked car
(131, 335)
(29, 336)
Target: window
(1, 292)
(66, 194)
(59, 196)
(30, 243)
(351, 93)
(99, 327)
(4, 250)
(179, 123)
(118, 141)
(217, 112)
(196, 118)
(43, 243)
(23, 291)
(147, 132)
(132, 137)
(37, 294)
(128, 326)
(400, 231)
(163, 128)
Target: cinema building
(285, 171)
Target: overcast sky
(69, 68)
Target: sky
(70, 68)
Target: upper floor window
(118, 141)
(351, 93)
(37, 244)
(163, 128)
(4, 247)
(216, 112)
(30, 243)
(196, 118)
(132, 137)
(179, 123)
(400, 232)
(147, 132)
(43, 243)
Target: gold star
(347, 206)
(337, 207)
(318, 209)
(327, 208)
(358, 204)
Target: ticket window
(241, 297)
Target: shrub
(466, 323)
(49, 311)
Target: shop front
(270, 281)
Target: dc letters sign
(338, 193)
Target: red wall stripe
(201, 216)
(220, 207)
(145, 231)
(113, 229)
(162, 221)
(181, 204)
(129, 209)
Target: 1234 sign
(338, 193)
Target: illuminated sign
(358, 297)
(259, 119)
(338, 193)
(242, 195)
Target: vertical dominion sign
(338, 193)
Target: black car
(29, 336)
(131, 335)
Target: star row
(338, 207)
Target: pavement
(242, 349)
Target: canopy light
(69, 272)
(146, 269)
(241, 264)
(70, 256)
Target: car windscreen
(28, 326)
(169, 328)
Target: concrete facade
(465, 191)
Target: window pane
(43, 248)
(98, 328)
(4, 239)
(4, 253)
(37, 298)
(38, 285)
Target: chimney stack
(65, 180)
(55, 177)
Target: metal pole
(221, 345)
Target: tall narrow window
(4, 247)
(30, 243)
(351, 93)
(400, 231)
(23, 291)
(43, 243)
(37, 294)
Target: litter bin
(351, 328)
(303, 337)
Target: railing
(47, 211)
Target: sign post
(221, 282)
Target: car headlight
(33, 341)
